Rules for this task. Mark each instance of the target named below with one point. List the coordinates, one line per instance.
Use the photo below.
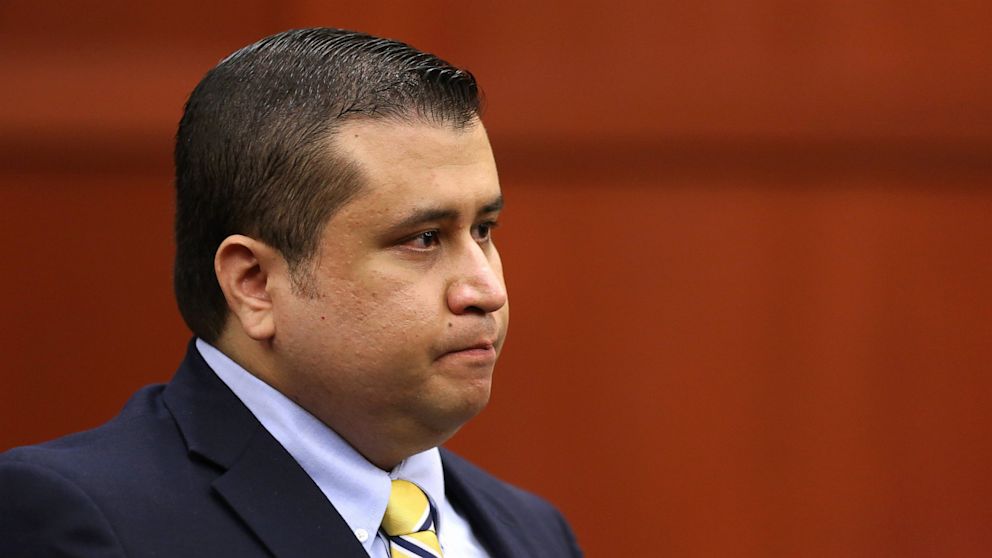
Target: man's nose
(477, 285)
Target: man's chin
(447, 419)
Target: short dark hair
(253, 151)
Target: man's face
(407, 310)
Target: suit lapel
(280, 502)
(494, 525)
(260, 481)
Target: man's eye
(484, 231)
(424, 240)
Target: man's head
(336, 198)
(252, 151)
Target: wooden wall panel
(746, 245)
(89, 313)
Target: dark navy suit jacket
(187, 471)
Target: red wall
(747, 245)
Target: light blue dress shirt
(356, 488)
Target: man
(336, 196)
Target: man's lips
(483, 350)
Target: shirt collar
(358, 489)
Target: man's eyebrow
(493, 206)
(429, 214)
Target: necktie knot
(409, 522)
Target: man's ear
(245, 270)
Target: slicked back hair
(253, 152)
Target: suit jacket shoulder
(126, 488)
(184, 470)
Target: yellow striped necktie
(409, 523)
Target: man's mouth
(482, 351)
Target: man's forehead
(413, 142)
(413, 170)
